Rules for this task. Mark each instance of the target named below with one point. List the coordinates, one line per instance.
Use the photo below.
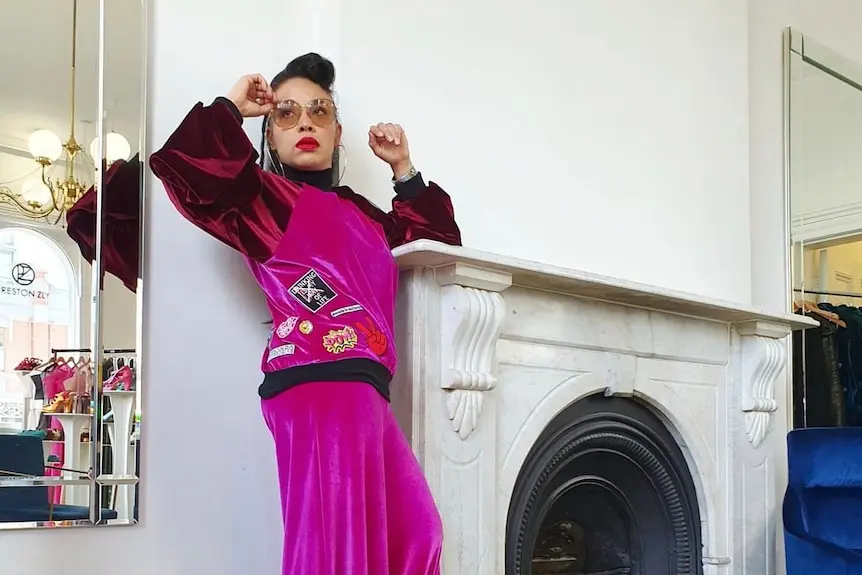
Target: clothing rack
(832, 293)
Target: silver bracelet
(411, 173)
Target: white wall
(606, 135)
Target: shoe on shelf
(62, 403)
(121, 380)
(28, 364)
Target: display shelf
(120, 432)
(73, 425)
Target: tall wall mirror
(71, 197)
(823, 143)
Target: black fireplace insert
(605, 490)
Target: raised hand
(252, 96)
(389, 143)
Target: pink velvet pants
(353, 497)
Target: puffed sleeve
(419, 212)
(210, 172)
(122, 217)
(422, 212)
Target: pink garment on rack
(53, 383)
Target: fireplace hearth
(605, 491)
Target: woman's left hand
(389, 143)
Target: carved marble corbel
(764, 354)
(472, 312)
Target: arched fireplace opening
(605, 490)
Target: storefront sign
(21, 284)
(23, 274)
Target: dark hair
(313, 67)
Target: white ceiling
(35, 69)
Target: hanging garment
(818, 393)
(849, 343)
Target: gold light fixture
(46, 197)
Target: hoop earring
(275, 161)
(341, 169)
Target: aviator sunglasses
(287, 113)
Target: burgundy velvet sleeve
(427, 216)
(209, 169)
(122, 217)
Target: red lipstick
(307, 144)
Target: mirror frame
(95, 481)
(799, 47)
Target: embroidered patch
(286, 327)
(312, 292)
(373, 337)
(306, 327)
(340, 340)
(344, 310)
(280, 351)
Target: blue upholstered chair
(23, 454)
(823, 502)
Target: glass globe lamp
(45, 146)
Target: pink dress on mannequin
(353, 496)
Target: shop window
(39, 310)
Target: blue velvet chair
(23, 454)
(823, 503)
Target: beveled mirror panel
(120, 207)
(70, 102)
(823, 132)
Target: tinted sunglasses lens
(286, 114)
(322, 113)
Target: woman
(354, 499)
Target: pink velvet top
(322, 258)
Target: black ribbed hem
(411, 188)
(356, 369)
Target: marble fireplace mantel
(493, 348)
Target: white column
(73, 425)
(120, 432)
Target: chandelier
(48, 198)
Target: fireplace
(570, 423)
(605, 491)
